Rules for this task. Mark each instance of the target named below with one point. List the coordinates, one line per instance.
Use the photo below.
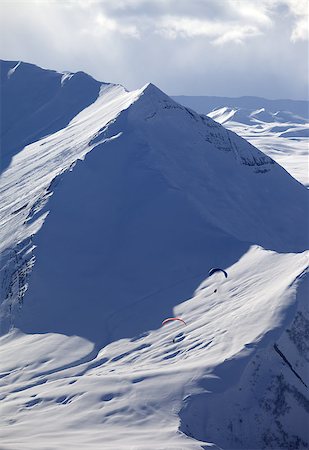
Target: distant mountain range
(206, 104)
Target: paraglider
(172, 319)
(214, 270)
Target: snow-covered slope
(221, 382)
(125, 210)
(280, 128)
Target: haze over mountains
(115, 205)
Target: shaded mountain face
(279, 128)
(109, 225)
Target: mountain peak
(151, 91)
(151, 88)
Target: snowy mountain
(110, 224)
(280, 128)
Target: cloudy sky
(192, 47)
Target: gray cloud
(211, 47)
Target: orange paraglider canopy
(171, 319)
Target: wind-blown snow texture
(110, 223)
(279, 128)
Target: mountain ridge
(47, 104)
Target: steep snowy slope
(138, 198)
(277, 127)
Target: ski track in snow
(144, 391)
